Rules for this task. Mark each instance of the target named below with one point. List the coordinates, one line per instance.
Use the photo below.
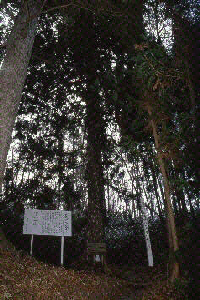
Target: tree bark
(96, 193)
(12, 78)
(171, 226)
(13, 73)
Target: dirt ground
(23, 277)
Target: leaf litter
(23, 277)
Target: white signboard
(47, 222)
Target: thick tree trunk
(12, 78)
(171, 221)
(13, 73)
(96, 193)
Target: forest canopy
(105, 117)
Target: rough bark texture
(13, 73)
(96, 196)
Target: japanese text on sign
(47, 222)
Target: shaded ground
(23, 277)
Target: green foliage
(93, 56)
(181, 286)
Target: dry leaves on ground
(23, 277)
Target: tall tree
(13, 72)
(173, 240)
(86, 51)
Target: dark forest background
(110, 114)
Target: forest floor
(23, 277)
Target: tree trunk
(172, 228)
(13, 73)
(95, 145)
(95, 179)
(155, 185)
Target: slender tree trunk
(156, 191)
(108, 191)
(178, 191)
(172, 228)
(133, 201)
(167, 219)
(149, 206)
(13, 73)
(176, 206)
(192, 211)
